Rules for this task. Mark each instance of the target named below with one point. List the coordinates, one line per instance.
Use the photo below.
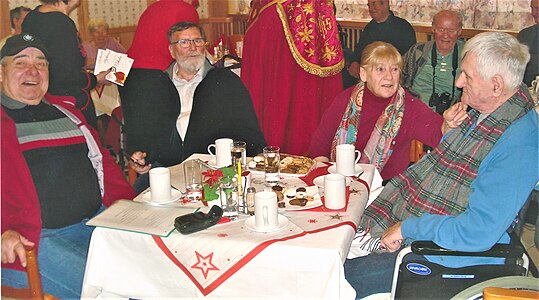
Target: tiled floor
(527, 238)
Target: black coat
(222, 107)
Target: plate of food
(290, 165)
(297, 198)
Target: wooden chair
(115, 141)
(233, 42)
(219, 26)
(497, 293)
(416, 151)
(34, 290)
(132, 175)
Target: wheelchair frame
(430, 248)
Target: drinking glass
(194, 190)
(228, 195)
(272, 163)
(238, 152)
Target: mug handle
(211, 153)
(358, 156)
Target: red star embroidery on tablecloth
(336, 216)
(355, 191)
(312, 221)
(204, 264)
(222, 235)
(184, 200)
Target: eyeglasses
(186, 43)
(445, 30)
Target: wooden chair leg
(132, 175)
(35, 289)
(416, 151)
(32, 271)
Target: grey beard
(193, 66)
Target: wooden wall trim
(83, 19)
(5, 23)
(423, 30)
(122, 29)
(420, 28)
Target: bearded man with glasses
(213, 103)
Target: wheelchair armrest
(498, 250)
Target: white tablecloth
(127, 264)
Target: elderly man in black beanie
(55, 174)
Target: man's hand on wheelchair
(392, 238)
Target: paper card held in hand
(119, 62)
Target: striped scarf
(440, 183)
(378, 148)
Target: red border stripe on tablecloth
(242, 262)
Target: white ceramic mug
(346, 160)
(266, 216)
(222, 155)
(160, 184)
(334, 191)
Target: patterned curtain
(481, 14)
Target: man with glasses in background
(384, 27)
(430, 69)
(214, 102)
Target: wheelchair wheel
(512, 282)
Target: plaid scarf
(379, 146)
(440, 183)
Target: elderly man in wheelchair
(465, 194)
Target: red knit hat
(150, 44)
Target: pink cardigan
(419, 122)
(20, 205)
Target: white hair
(500, 54)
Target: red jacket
(20, 206)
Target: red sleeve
(430, 131)
(20, 206)
(324, 134)
(116, 186)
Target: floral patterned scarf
(378, 148)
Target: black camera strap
(454, 65)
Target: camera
(440, 102)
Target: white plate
(311, 191)
(258, 171)
(358, 170)
(250, 224)
(319, 181)
(175, 195)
